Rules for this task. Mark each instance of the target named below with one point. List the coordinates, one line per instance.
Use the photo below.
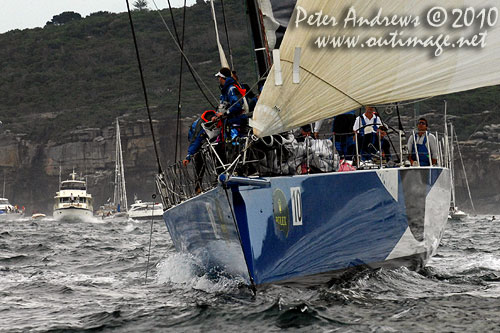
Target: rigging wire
(463, 167)
(179, 106)
(227, 35)
(409, 102)
(150, 236)
(400, 124)
(144, 87)
(196, 76)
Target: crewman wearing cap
(231, 98)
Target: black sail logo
(280, 211)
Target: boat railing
(286, 155)
(178, 183)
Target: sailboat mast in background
(120, 192)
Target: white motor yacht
(145, 210)
(72, 202)
(5, 206)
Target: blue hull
(304, 227)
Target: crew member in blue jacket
(231, 99)
(197, 136)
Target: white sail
(270, 23)
(222, 55)
(332, 80)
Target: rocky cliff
(481, 157)
(31, 169)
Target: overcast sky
(22, 14)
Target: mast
(260, 47)
(116, 190)
(446, 139)
(452, 169)
(120, 192)
(122, 172)
(3, 195)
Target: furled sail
(222, 55)
(328, 80)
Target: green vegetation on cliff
(84, 72)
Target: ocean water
(71, 277)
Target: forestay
(332, 80)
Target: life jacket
(423, 152)
(195, 128)
(207, 115)
(240, 89)
(232, 84)
(242, 92)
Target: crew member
(423, 141)
(196, 136)
(366, 127)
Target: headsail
(333, 80)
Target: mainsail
(330, 80)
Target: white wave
(129, 227)
(186, 271)
(483, 260)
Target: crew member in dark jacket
(196, 137)
(231, 98)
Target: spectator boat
(140, 210)
(455, 213)
(118, 207)
(6, 207)
(72, 202)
